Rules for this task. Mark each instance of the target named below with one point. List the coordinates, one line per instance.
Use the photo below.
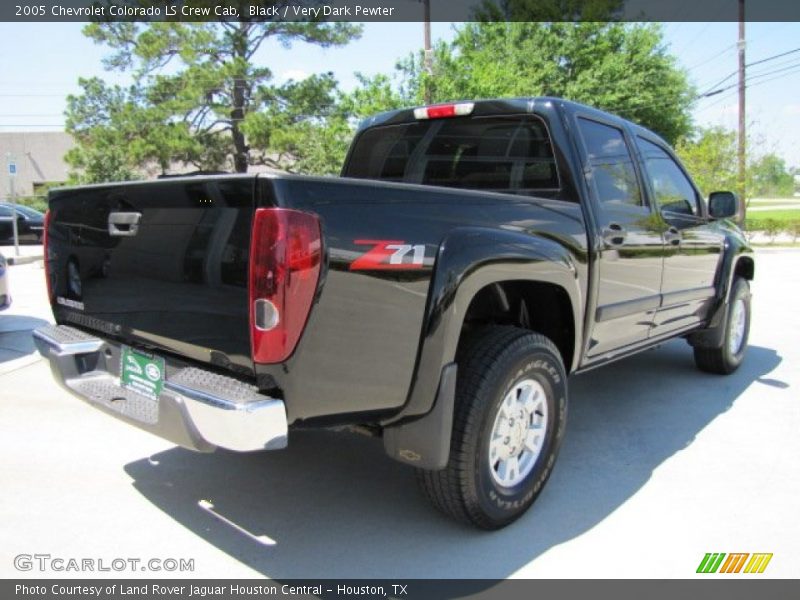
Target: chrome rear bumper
(196, 409)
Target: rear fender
(469, 259)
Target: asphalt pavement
(661, 464)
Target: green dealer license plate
(141, 373)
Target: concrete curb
(19, 363)
(24, 260)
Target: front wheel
(727, 358)
(511, 406)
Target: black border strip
(34, 11)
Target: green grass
(783, 216)
(760, 204)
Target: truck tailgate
(161, 265)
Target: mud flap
(712, 336)
(425, 443)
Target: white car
(5, 296)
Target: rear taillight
(46, 252)
(440, 111)
(285, 259)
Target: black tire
(725, 360)
(490, 366)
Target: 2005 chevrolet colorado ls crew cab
(439, 293)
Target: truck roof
(501, 106)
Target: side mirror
(726, 205)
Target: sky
(40, 64)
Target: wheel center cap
(516, 434)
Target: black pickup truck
(438, 294)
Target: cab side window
(674, 193)
(613, 173)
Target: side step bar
(198, 409)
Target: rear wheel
(511, 401)
(727, 358)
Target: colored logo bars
(713, 562)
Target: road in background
(660, 465)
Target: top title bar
(395, 10)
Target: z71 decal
(389, 254)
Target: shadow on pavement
(15, 335)
(334, 506)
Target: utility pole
(428, 64)
(742, 134)
(11, 164)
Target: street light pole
(742, 158)
(428, 65)
(14, 218)
(12, 175)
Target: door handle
(614, 234)
(672, 236)
(123, 224)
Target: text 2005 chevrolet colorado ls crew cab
(471, 257)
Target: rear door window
(613, 173)
(498, 154)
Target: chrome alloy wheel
(738, 326)
(518, 433)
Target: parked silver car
(5, 295)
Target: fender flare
(468, 260)
(735, 250)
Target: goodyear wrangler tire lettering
(502, 367)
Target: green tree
(710, 157)
(620, 67)
(314, 130)
(769, 177)
(197, 93)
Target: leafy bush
(794, 230)
(772, 228)
(36, 202)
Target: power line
(637, 108)
(693, 40)
(711, 89)
(715, 56)
(749, 78)
(763, 60)
(796, 69)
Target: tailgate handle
(123, 223)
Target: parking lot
(660, 465)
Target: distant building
(39, 162)
(38, 158)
